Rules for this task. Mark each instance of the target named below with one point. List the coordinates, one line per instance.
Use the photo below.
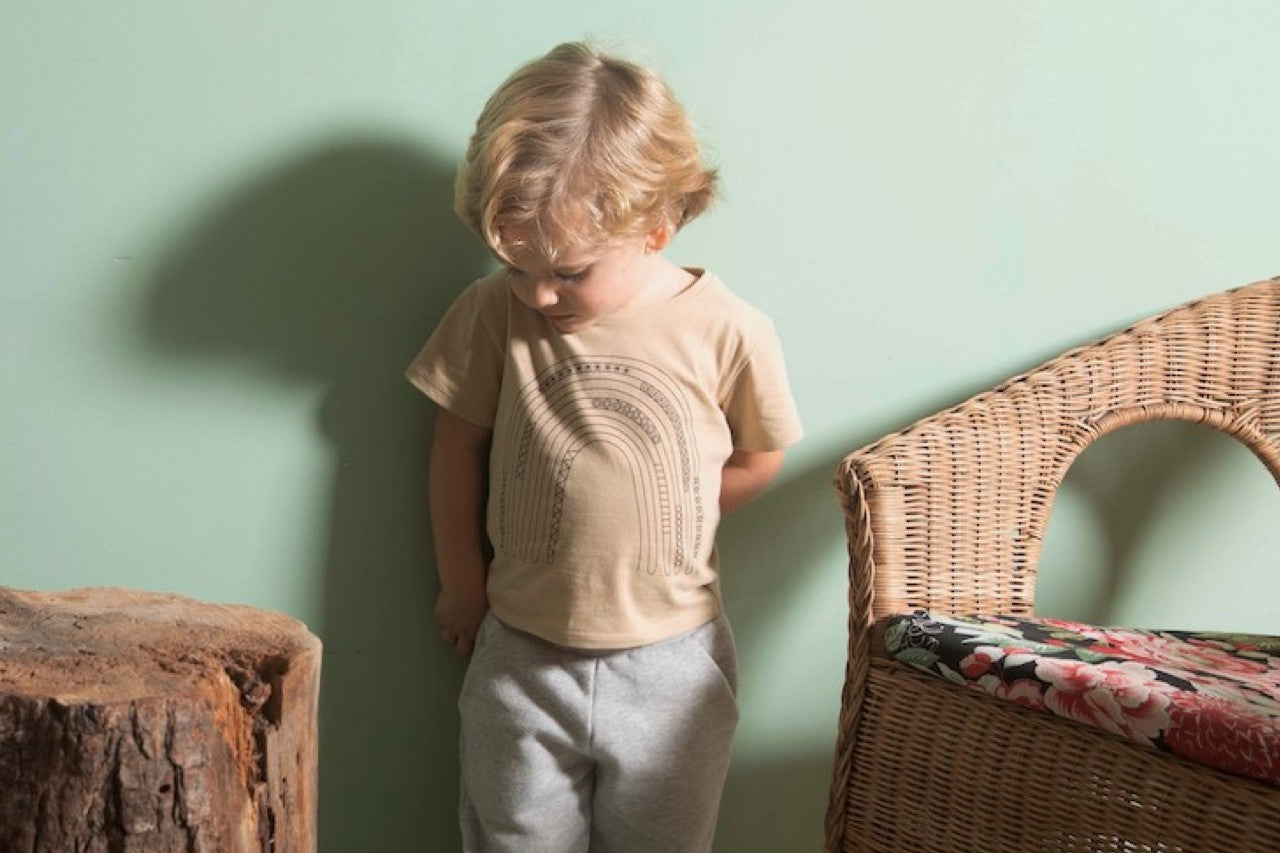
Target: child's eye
(572, 277)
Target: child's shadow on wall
(333, 270)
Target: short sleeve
(759, 408)
(460, 366)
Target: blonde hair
(586, 148)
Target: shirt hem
(591, 641)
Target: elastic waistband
(600, 653)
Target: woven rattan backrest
(950, 513)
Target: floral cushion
(1211, 698)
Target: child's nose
(544, 294)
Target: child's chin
(569, 324)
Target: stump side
(152, 775)
(140, 721)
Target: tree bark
(134, 721)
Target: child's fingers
(462, 641)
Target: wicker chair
(949, 515)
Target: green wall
(226, 228)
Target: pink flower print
(983, 658)
(1174, 655)
(979, 663)
(1225, 735)
(1073, 627)
(1120, 697)
(1027, 692)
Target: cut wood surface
(134, 721)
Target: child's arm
(459, 466)
(745, 475)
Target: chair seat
(1208, 697)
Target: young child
(600, 409)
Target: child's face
(584, 285)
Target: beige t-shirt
(608, 443)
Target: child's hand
(458, 614)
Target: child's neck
(663, 280)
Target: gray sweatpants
(569, 750)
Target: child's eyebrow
(572, 269)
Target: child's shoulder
(732, 313)
(483, 300)
(492, 288)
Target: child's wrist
(464, 582)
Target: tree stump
(134, 721)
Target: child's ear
(658, 238)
